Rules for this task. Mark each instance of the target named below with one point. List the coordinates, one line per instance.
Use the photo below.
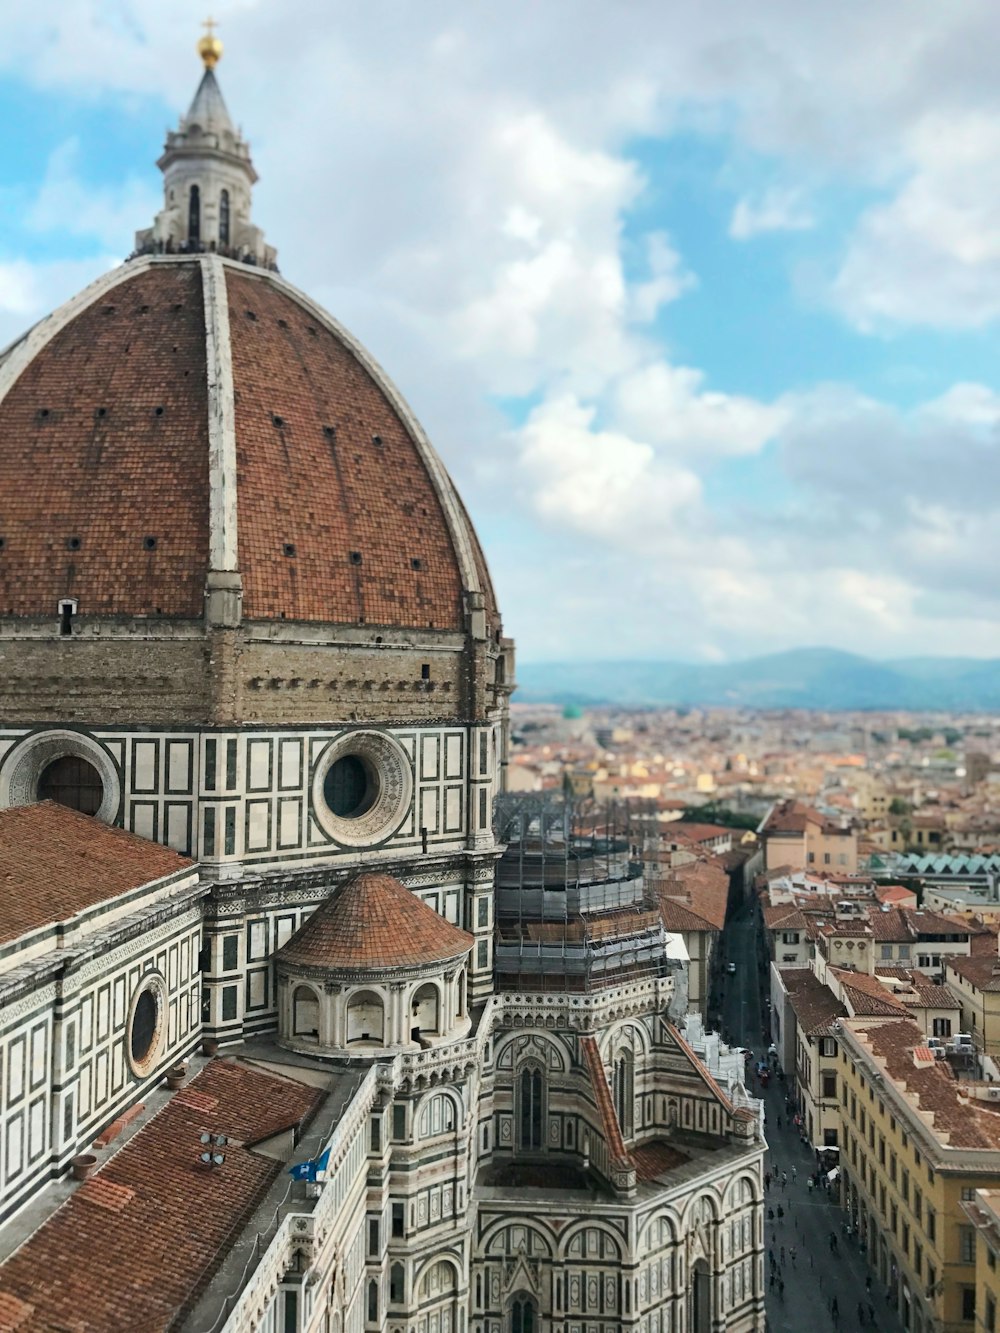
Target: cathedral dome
(192, 422)
(189, 414)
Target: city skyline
(699, 308)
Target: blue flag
(309, 1170)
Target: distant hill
(801, 678)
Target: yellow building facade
(916, 1146)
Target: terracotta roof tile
(327, 465)
(164, 1219)
(602, 1095)
(982, 970)
(964, 1123)
(105, 440)
(815, 1006)
(373, 921)
(55, 862)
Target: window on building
(904, 1185)
(399, 1122)
(886, 950)
(522, 1315)
(968, 1193)
(931, 1227)
(531, 1111)
(942, 1027)
(224, 218)
(967, 1244)
(830, 1086)
(398, 1220)
(230, 953)
(396, 1284)
(904, 951)
(990, 1314)
(968, 1303)
(828, 1047)
(72, 782)
(373, 1236)
(484, 912)
(194, 214)
(375, 1134)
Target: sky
(699, 303)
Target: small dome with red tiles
(372, 923)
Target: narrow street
(814, 1260)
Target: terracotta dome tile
(374, 922)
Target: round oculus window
(65, 766)
(350, 787)
(362, 788)
(145, 1031)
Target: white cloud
(600, 482)
(670, 406)
(65, 202)
(931, 254)
(774, 210)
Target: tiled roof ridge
(605, 1104)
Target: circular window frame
(155, 983)
(389, 766)
(23, 767)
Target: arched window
(365, 1017)
(523, 1315)
(396, 1284)
(424, 1011)
(623, 1091)
(305, 1013)
(531, 1091)
(194, 214)
(73, 782)
(224, 218)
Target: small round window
(350, 787)
(71, 781)
(143, 1026)
(144, 1037)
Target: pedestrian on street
(835, 1310)
(767, 1180)
(784, 1179)
(792, 1252)
(781, 1288)
(781, 1213)
(811, 1185)
(779, 1121)
(795, 1172)
(772, 1279)
(861, 1314)
(871, 1313)
(833, 1243)
(770, 1255)
(868, 1284)
(770, 1214)
(782, 1259)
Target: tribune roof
(55, 863)
(133, 1246)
